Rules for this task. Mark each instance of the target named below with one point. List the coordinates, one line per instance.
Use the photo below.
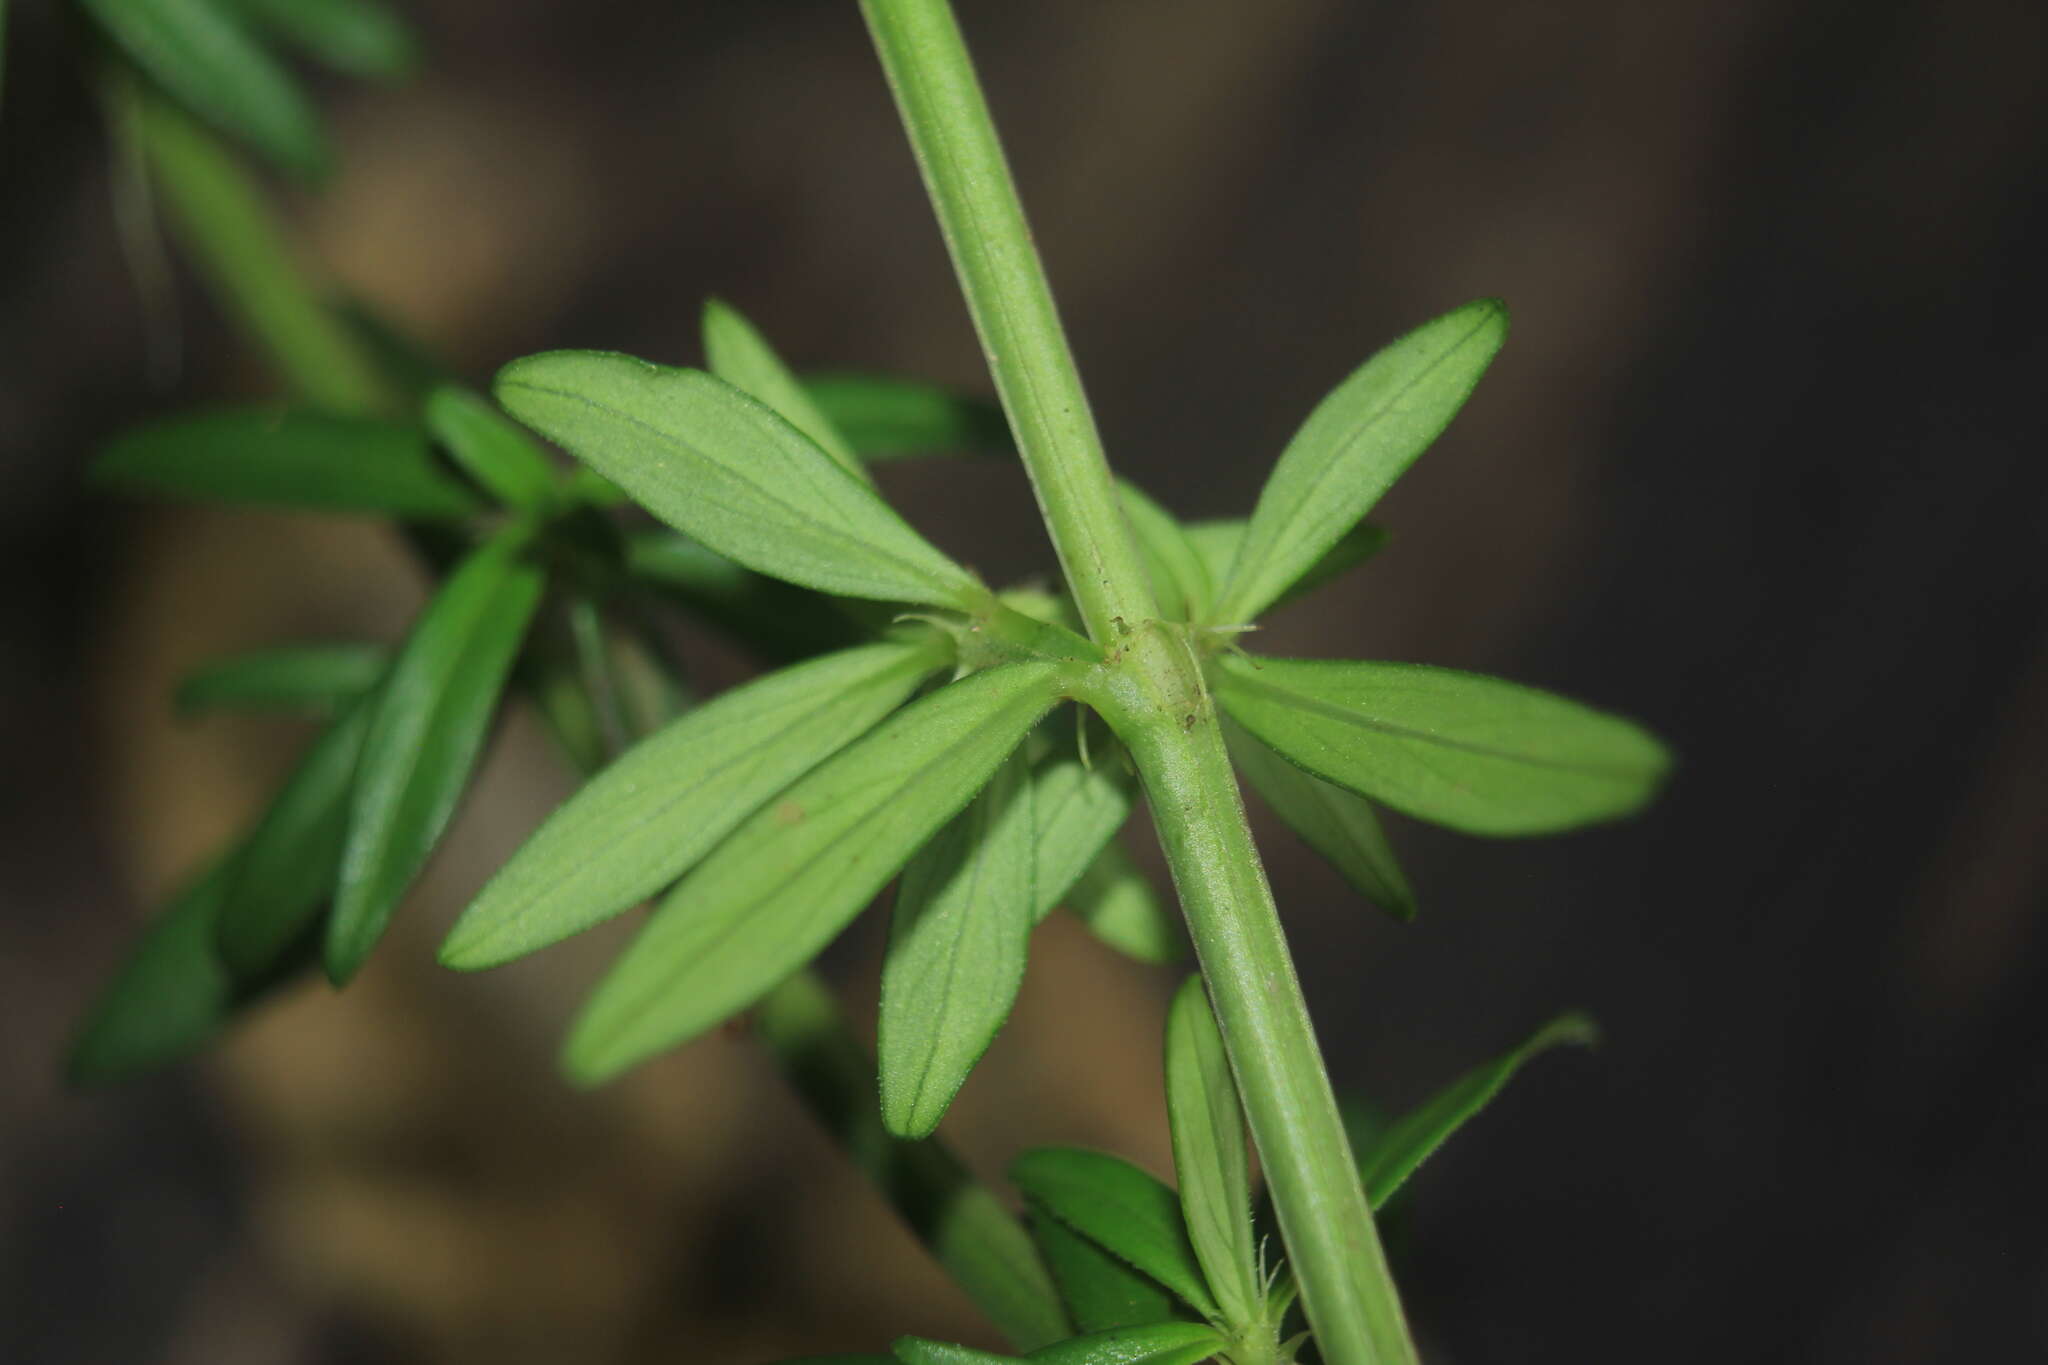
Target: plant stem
(969, 181)
(1152, 693)
(979, 1242)
(231, 234)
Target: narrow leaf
(1159, 1343)
(797, 870)
(1472, 752)
(722, 467)
(1100, 1291)
(288, 868)
(1352, 448)
(886, 419)
(1209, 1155)
(736, 352)
(355, 37)
(173, 994)
(282, 458)
(1334, 822)
(668, 801)
(1078, 809)
(956, 951)
(1120, 1208)
(424, 734)
(198, 52)
(1406, 1143)
(1120, 906)
(317, 680)
(919, 1351)
(497, 454)
(1180, 578)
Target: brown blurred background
(1763, 464)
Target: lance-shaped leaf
(1078, 809)
(887, 419)
(1100, 1291)
(1120, 906)
(289, 865)
(1159, 1343)
(173, 994)
(425, 730)
(1121, 1209)
(355, 37)
(921, 1351)
(1180, 578)
(1397, 1149)
(791, 876)
(1209, 1155)
(956, 951)
(497, 454)
(724, 468)
(736, 352)
(1472, 752)
(1336, 823)
(649, 817)
(280, 458)
(199, 52)
(314, 680)
(1352, 448)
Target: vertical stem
(983, 223)
(230, 233)
(1151, 693)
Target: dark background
(1762, 465)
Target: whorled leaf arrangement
(911, 730)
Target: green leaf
(355, 37)
(886, 419)
(317, 680)
(1406, 1143)
(1209, 1156)
(168, 999)
(1121, 1209)
(1159, 1343)
(737, 353)
(1100, 1291)
(790, 877)
(172, 995)
(424, 734)
(1352, 448)
(956, 954)
(1334, 822)
(722, 467)
(1120, 906)
(288, 867)
(272, 456)
(496, 453)
(1475, 753)
(198, 52)
(919, 1351)
(668, 801)
(1078, 808)
(1180, 578)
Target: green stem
(1152, 693)
(983, 223)
(978, 1241)
(229, 230)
